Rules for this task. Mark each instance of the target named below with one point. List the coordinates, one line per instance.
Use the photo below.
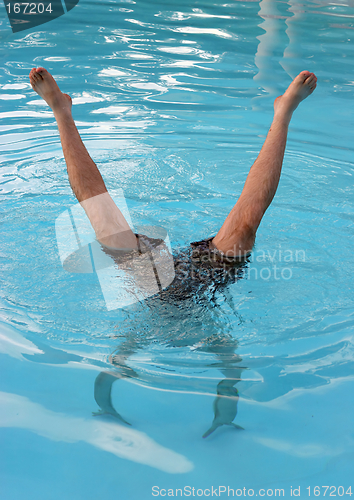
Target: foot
(44, 84)
(300, 88)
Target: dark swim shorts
(202, 252)
(206, 251)
(197, 268)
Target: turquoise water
(173, 103)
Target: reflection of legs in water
(237, 235)
(103, 394)
(225, 406)
(107, 220)
(105, 380)
(225, 403)
(224, 359)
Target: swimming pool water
(173, 102)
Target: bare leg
(237, 235)
(85, 179)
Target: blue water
(173, 102)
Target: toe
(313, 83)
(39, 75)
(42, 71)
(304, 74)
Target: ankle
(62, 113)
(281, 119)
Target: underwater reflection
(225, 406)
(179, 341)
